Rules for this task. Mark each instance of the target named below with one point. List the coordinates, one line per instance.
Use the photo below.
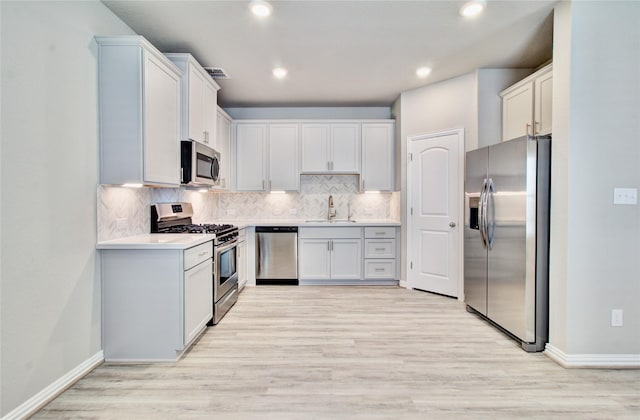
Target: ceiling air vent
(217, 73)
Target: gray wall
(595, 245)
(50, 302)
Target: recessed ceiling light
(280, 72)
(423, 72)
(260, 8)
(472, 8)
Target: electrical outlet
(628, 196)
(293, 212)
(616, 317)
(231, 212)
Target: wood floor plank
(350, 352)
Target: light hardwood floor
(351, 352)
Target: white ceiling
(341, 53)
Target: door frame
(460, 231)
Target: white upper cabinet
(223, 146)
(377, 156)
(199, 101)
(139, 107)
(345, 147)
(330, 148)
(526, 106)
(315, 147)
(250, 156)
(210, 114)
(284, 173)
(266, 157)
(542, 100)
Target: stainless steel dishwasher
(276, 255)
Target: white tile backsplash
(126, 211)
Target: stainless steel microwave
(200, 164)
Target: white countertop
(157, 241)
(310, 222)
(184, 241)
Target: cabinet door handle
(269, 185)
(526, 128)
(328, 246)
(263, 185)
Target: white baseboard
(594, 361)
(35, 403)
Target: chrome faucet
(331, 212)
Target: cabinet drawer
(197, 254)
(380, 248)
(380, 232)
(380, 269)
(330, 233)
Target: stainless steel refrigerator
(506, 237)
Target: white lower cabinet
(380, 269)
(346, 255)
(241, 259)
(155, 301)
(380, 247)
(314, 259)
(330, 253)
(198, 295)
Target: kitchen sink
(329, 221)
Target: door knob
(452, 224)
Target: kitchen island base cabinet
(155, 302)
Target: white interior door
(434, 212)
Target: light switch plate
(628, 196)
(616, 318)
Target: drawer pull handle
(379, 249)
(379, 233)
(379, 269)
(203, 253)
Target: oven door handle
(227, 246)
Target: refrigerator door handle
(489, 233)
(481, 213)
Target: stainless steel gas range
(177, 218)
